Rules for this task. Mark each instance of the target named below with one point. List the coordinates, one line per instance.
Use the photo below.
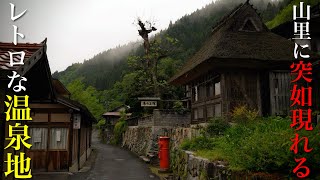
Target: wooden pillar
(70, 141)
(48, 142)
(259, 94)
(86, 142)
(224, 95)
(79, 140)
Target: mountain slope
(286, 13)
(108, 67)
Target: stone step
(145, 159)
(151, 155)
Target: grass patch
(262, 145)
(212, 155)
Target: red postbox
(163, 153)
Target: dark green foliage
(217, 126)
(87, 96)
(198, 143)
(119, 129)
(261, 145)
(286, 13)
(101, 71)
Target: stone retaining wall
(170, 118)
(141, 139)
(138, 139)
(162, 117)
(185, 165)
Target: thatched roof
(239, 37)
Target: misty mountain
(108, 67)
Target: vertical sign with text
(301, 92)
(17, 112)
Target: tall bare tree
(151, 63)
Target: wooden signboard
(76, 121)
(149, 104)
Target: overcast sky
(79, 29)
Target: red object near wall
(164, 153)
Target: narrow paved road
(114, 163)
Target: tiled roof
(32, 52)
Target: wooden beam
(243, 91)
(70, 141)
(79, 140)
(259, 94)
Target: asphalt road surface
(114, 163)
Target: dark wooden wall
(241, 88)
(279, 92)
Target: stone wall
(141, 140)
(164, 118)
(186, 165)
(138, 139)
(170, 118)
(146, 121)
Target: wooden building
(241, 63)
(35, 62)
(60, 133)
(58, 142)
(113, 116)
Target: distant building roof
(115, 114)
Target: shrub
(262, 145)
(242, 114)
(265, 145)
(217, 126)
(259, 146)
(198, 143)
(178, 107)
(101, 124)
(119, 128)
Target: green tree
(87, 96)
(119, 129)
